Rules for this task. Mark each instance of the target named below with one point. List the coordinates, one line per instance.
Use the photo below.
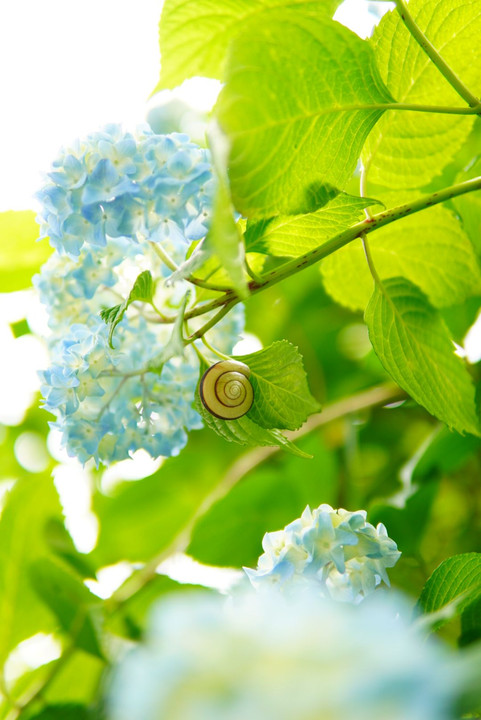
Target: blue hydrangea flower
(335, 551)
(109, 201)
(268, 657)
(116, 185)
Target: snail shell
(226, 391)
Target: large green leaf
(457, 579)
(70, 601)
(296, 107)
(429, 249)
(140, 519)
(70, 711)
(31, 503)
(408, 149)
(194, 36)
(401, 520)
(281, 394)
(20, 255)
(293, 235)
(413, 344)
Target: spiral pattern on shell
(226, 391)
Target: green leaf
(415, 513)
(224, 236)
(70, 601)
(20, 255)
(408, 149)
(293, 235)
(457, 580)
(30, 504)
(296, 124)
(61, 543)
(142, 290)
(471, 623)
(281, 394)
(469, 206)
(70, 711)
(445, 453)
(245, 431)
(194, 37)
(430, 249)
(413, 344)
(77, 681)
(138, 520)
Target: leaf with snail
(243, 430)
(282, 395)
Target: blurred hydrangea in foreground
(335, 552)
(111, 201)
(264, 657)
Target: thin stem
(164, 256)
(355, 231)
(474, 109)
(167, 260)
(112, 397)
(366, 226)
(163, 318)
(434, 55)
(250, 271)
(370, 261)
(207, 285)
(132, 373)
(213, 350)
(368, 214)
(374, 397)
(210, 324)
(201, 357)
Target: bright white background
(68, 67)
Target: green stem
(167, 260)
(213, 321)
(370, 261)
(230, 298)
(368, 214)
(165, 257)
(213, 350)
(338, 241)
(474, 109)
(434, 55)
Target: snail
(226, 391)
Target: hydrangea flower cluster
(110, 203)
(115, 185)
(268, 657)
(335, 551)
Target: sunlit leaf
(413, 344)
(297, 108)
